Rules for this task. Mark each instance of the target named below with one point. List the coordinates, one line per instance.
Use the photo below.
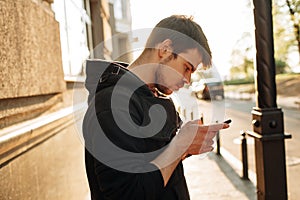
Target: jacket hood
(94, 70)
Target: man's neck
(145, 68)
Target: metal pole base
(269, 153)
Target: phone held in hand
(228, 121)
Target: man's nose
(187, 79)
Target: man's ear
(165, 49)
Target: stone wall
(31, 73)
(30, 54)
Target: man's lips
(177, 87)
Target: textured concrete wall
(52, 170)
(17, 110)
(30, 54)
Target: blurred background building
(92, 28)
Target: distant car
(207, 89)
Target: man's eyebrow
(193, 68)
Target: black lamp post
(268, 126)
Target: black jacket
(121, 137)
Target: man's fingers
(205, 150)
(196, 122)
(211, 127)
(217, 127)
(209, 142)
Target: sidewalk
(213, 178)
(288, 102)
(219, 177)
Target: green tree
(286, 20)
(286, 16)
(281, 66)
(242, 57)
(294, 10)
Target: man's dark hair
(184, 34)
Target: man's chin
(169, 92)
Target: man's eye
(187, 69)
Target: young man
(134, 140)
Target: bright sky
(223, 21)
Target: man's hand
(195, 138)
(192, 139)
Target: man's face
(173, 73)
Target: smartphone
(228, 121)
